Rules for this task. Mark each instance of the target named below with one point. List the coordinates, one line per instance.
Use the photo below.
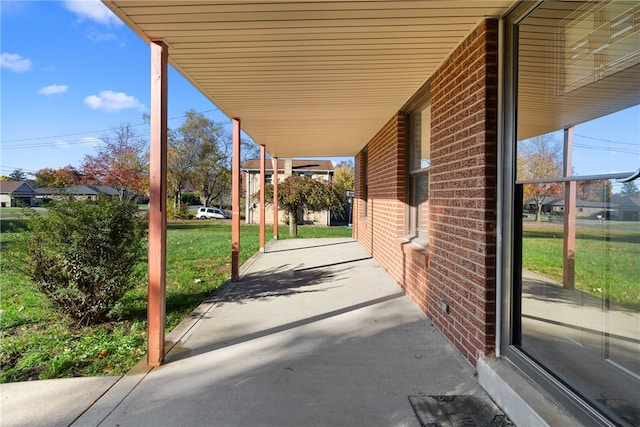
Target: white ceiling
(307, 78)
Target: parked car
(207, 212)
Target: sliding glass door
(575, 228)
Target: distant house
(629, 210)
(584, 208)
(90, 192)
(16, 193)
(93, 191)
(315, 169)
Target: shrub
(181, 212)
(82, 255)
(190, 199)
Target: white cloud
(91, 141)
(97, 36)
(109, 100)
(93, 10)
(14, 62)
(62, 144)
(53, 89)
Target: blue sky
(71, 71)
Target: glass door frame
(508, 333)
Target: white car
(206, 212)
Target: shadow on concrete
(178, 354)
(354, 366)
(333, 243)
(314, 337)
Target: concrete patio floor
(314, 334)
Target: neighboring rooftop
(9, 187)
(308, 165)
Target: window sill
(415, 249)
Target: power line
(47, 144)
(615, 150)
(62, 136)
(100, 130)
(9, 169)
(73, 142)
(606, 140)
(600, 147)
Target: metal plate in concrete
(458, 411)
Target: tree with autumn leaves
(58, 178)
(540, 157)
(297, 193)
(344, 178)
(198, 156)
(122, 161)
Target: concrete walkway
(314, 334)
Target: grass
(10, 211)
(39, 343)
(607, 263)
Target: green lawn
(38, 343)
(10, 211)
(607, 261)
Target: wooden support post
(262, 197)
(569, 241)
(275, 197)
(235, 202)
(156, 299)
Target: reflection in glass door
(577, 283)
(586, 332)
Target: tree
(629, 189)
(540, 157)
(594, 191)
(297, 193)
(18, 175)
(122, 162)
(212, 175)
(248, 150)
(344, 178)
(58, 178)
(200, 156)
(179, 166)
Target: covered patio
(314, 334)
(300, 78)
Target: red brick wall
(463, 193)
(360, 226)
(384, 224)
(460, 264)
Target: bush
(181, 212)
(190, 199)
(82, 255)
